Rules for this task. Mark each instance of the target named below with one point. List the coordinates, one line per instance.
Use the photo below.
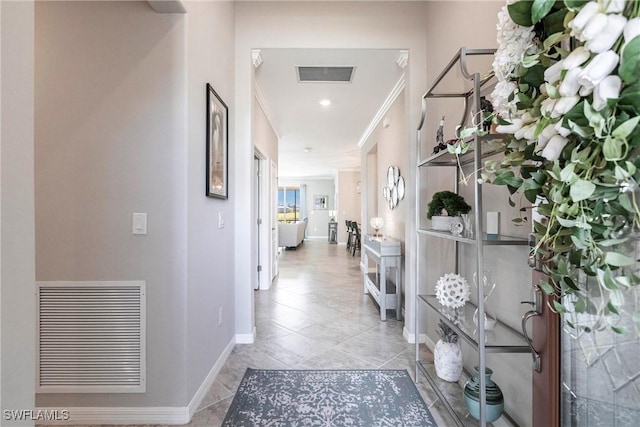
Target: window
(288, 204)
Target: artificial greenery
(447, 201)
(446, 334)
(572, 117)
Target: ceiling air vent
(325, 74)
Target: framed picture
(217, 145)
(320, 202)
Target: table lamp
(376, 223)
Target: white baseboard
(139, 415)
(411, 337)
(246, 338)
(210, 378)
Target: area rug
(327, 398)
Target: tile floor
(316, 316)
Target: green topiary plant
(448, 201)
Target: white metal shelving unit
(503, 338)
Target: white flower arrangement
(568, 96)
(452, 290)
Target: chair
(349, 234)
(355, 245)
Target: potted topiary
(446, 206)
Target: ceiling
(317, 141)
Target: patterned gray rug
(339, 398)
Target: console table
(386, 253)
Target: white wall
(17, 259)
(359, 25)
(317, 219)
(210, 37)
(120, 103)
(349, 201)
(264, 137)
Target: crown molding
(386, 105)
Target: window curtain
(303, 202)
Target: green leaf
(554, 23)
(625, 129)
(534, 76)
(630, 62)
(575, 4)
(612, 308)
(559, 307)
(630, 98)
(581, 190)
(520, 13)
(617, 259)
(619, 329)
(569, 223)
(612, 149)
(616, 297)
(546, 288)
(539, 9)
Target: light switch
(139, 223)
(220, 219)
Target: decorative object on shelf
(217, 146)
(447, 354)
(440, 144)
(452, 290)
(495, 399)
(376, 223)
(487, 113)
(456, 226)
(395, 189)
(587, 114)
(493, 225)
(332, 215)
(467, 222)
(444, 206)
(488, 286)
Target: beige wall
(17, 254)
(264, 137)
(120, 128)
(349, 201)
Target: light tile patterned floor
(316, 316)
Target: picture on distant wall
(320, 202)
(217, 145)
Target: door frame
(265, 214)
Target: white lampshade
(376, 223)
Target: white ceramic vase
(447, 358)
(443, 223)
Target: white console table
(386, 253)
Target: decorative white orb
(452, 290)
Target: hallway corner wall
(110, 131)
(17, 234)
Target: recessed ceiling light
(307, 149)
(325, 102)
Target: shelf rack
(503, 339)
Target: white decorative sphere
(452, 290)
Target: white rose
(605, 36)
(515, 125)
(612, 6)
(631, 29)
(600, 67)
(578, 23)
(547, 133)
(552, 74)
(576, 58)
(609, 88)
(554, 148)
(563, 105)
(562, 130)
(570, 84)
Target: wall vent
(325, 74)
(91, 337)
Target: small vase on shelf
(489, 315)
(494, 397)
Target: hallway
(315, 316)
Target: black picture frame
(217, 146)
